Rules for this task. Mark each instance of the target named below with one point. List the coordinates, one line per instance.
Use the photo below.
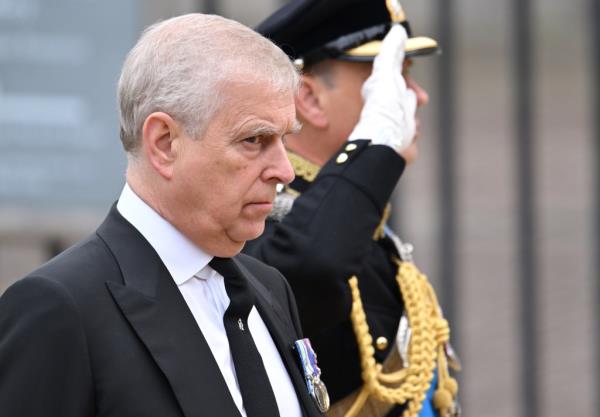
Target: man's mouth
(260, 207)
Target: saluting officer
(357, 104)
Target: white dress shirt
(203, 289)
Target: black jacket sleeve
(44, 366)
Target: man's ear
(161, 137)
(309, 102)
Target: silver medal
(320, 394)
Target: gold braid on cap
(430, 334)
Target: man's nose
(281, 168)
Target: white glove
(388, 114)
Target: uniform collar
(305, 173)
(303, 168)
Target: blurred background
(503, 205)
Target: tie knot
(241, 298)
(224, 266)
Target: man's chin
(258, 231)
(240, 236)
(228, 249)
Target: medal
(312, 374)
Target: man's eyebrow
(260, 130)
(267, 130)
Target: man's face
(224, 183)
(344, 102)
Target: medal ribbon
(309, 362)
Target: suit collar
(154, 307)
(180, 255)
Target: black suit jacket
(102, 330)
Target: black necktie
(257, 393)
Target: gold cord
(380, 229)
(430, 333)
(302, 167)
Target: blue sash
(428, 410)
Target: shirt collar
(182, 258)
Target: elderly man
(156, 314)
(357, 103)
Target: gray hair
(180, 65)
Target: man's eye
(253, 140)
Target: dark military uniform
(328, 224)
(328, 236)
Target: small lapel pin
(241, 324)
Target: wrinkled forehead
(249, 87)
(255, 100)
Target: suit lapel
(153, 305)
(281, 332)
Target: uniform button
(381, 343)
(350, 147)
(343, 157)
